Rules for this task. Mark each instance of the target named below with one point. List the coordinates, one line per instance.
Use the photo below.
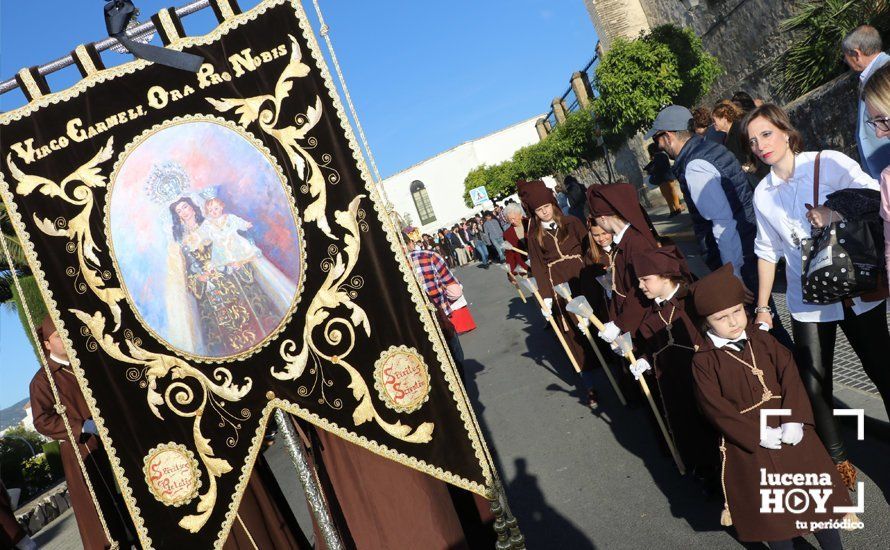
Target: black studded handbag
(841, 260)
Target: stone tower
(617, 19)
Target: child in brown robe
(739, 371)
(669, 338)
(615, 208)
(558, 253)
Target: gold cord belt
(767, 395)
(550, 265)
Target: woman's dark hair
(778, 118)
(177, 221)
(653, 149)
(744, 101)
(701, 118)
(728, 110)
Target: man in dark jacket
(718, 196)
(717, 193)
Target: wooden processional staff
(580, 306)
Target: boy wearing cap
(669, 337)
(739, 371)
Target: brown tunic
(49, 423)
(263, 519)
(628, 304)
(382, 504)
(669, 350)
(562, 257)
(725, 387)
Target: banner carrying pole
(312, 488)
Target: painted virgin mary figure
(223, 295)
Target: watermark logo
(807, 492)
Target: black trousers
(814, 353)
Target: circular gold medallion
(172, 474)
(402, 379)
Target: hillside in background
(12, 415)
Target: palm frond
(819, 26)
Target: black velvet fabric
(121, 396)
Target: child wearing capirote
(740, 370)
(669, 337)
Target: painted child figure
(669, 338)
(739, 371)
(230, 248)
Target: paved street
(583, 480)
(578, 480)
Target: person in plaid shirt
(433, 274)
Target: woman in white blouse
(784, 218)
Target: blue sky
(424, 77)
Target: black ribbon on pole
(118, 13)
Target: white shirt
(864, 75)
(720, 341)
(660, 301)
(549, 225)
(63, 362)
(710, 200)
(617, 238)
(781, 215)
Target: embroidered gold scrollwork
(337, 292)
(181, 398)
(77, 230)
(266, 110)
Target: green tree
(17, 255)
(498, 180)
(636, 78)
(16, 446)
(696, 66)
(819, 26)
(37, 474)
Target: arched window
(422, 202)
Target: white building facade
(431, 193)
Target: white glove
(583, 323)
(547, 310)
(792, 433)
(638, 367)
(771, 438)
(89, 427)
(610, 332)
(507, 245)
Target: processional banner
(210, 248)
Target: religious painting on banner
(211, 248)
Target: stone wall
(827, 116)
(743, 34)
